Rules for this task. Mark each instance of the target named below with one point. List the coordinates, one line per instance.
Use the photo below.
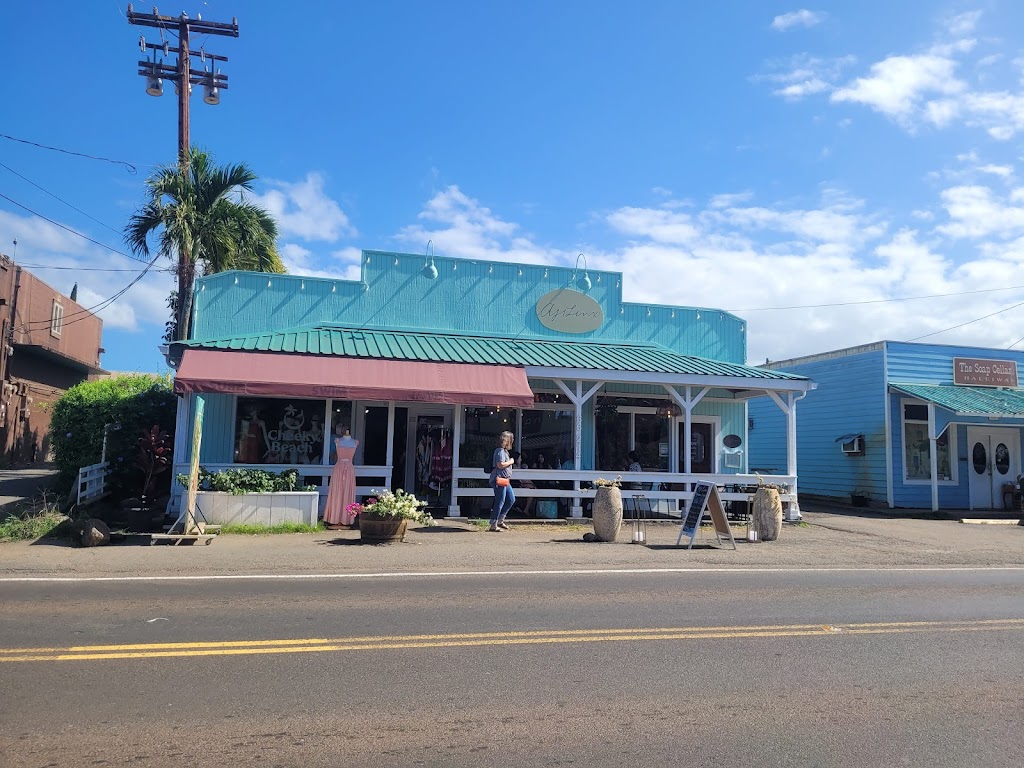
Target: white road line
(457, 574)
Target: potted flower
(384, 517)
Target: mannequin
(342, 490)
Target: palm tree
(198, 222)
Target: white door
(993, 458)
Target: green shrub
(239, 481)
(262, 530)
(135, 401)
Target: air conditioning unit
(853, 444)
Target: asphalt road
(816, 668)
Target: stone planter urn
(374, 529)
(607, 513)
(767, 514)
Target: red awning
(350, 378)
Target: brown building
(48, 344)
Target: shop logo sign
(569, 311)
(969, 371)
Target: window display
(279, 431)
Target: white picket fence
(92, 482)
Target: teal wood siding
(850, 399)
(473, 297)
(733, 422)
(217, 445)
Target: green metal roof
(454, 348)
(968, 401)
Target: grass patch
(32, 525)
(266, 530)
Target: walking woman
(501, 482)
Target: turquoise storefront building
(427, 359)
(904, 425)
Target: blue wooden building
(427, 359)
(905, 425)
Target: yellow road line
(533, 637)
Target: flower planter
(374, 529)
(259, 508)
(607, 513)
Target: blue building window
(917, 465)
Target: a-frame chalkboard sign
(705, 497)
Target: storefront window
(279, 431)
(547, 439)
(624, 422)
(917, 448)
(483, 426)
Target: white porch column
(453, 506)
(933, 458)
(578, 398)
(687, 403)
(390, 448)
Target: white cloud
(804, 75)
(963, 24)
(976, 211)
(302, 209)
(801, 18)
(897, 85)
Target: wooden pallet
(177, 538)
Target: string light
(545, 271)
(334, 288)
(236, 279)
(268, 284)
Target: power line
(69, 229)
(87, 269)
(877, 301)
(87, 312)
(131, 167)
(69, 205)
(975, 320)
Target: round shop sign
(569, 311)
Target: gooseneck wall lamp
(583, 283)
(429, 270)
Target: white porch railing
(576, 487)
(92, 482)
(655, 481)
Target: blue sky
(752, 156)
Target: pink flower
(354, 508)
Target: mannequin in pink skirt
(342, 490)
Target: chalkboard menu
(696, 508)
(705, 497)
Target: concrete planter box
(259, 508)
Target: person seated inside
(527, 501)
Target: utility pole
(182, 75)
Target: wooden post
(190, 527)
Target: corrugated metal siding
(423, 347)
(476, 297)
(767, 438)
(848, 400)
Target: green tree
(201, 219)
(136, 402)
